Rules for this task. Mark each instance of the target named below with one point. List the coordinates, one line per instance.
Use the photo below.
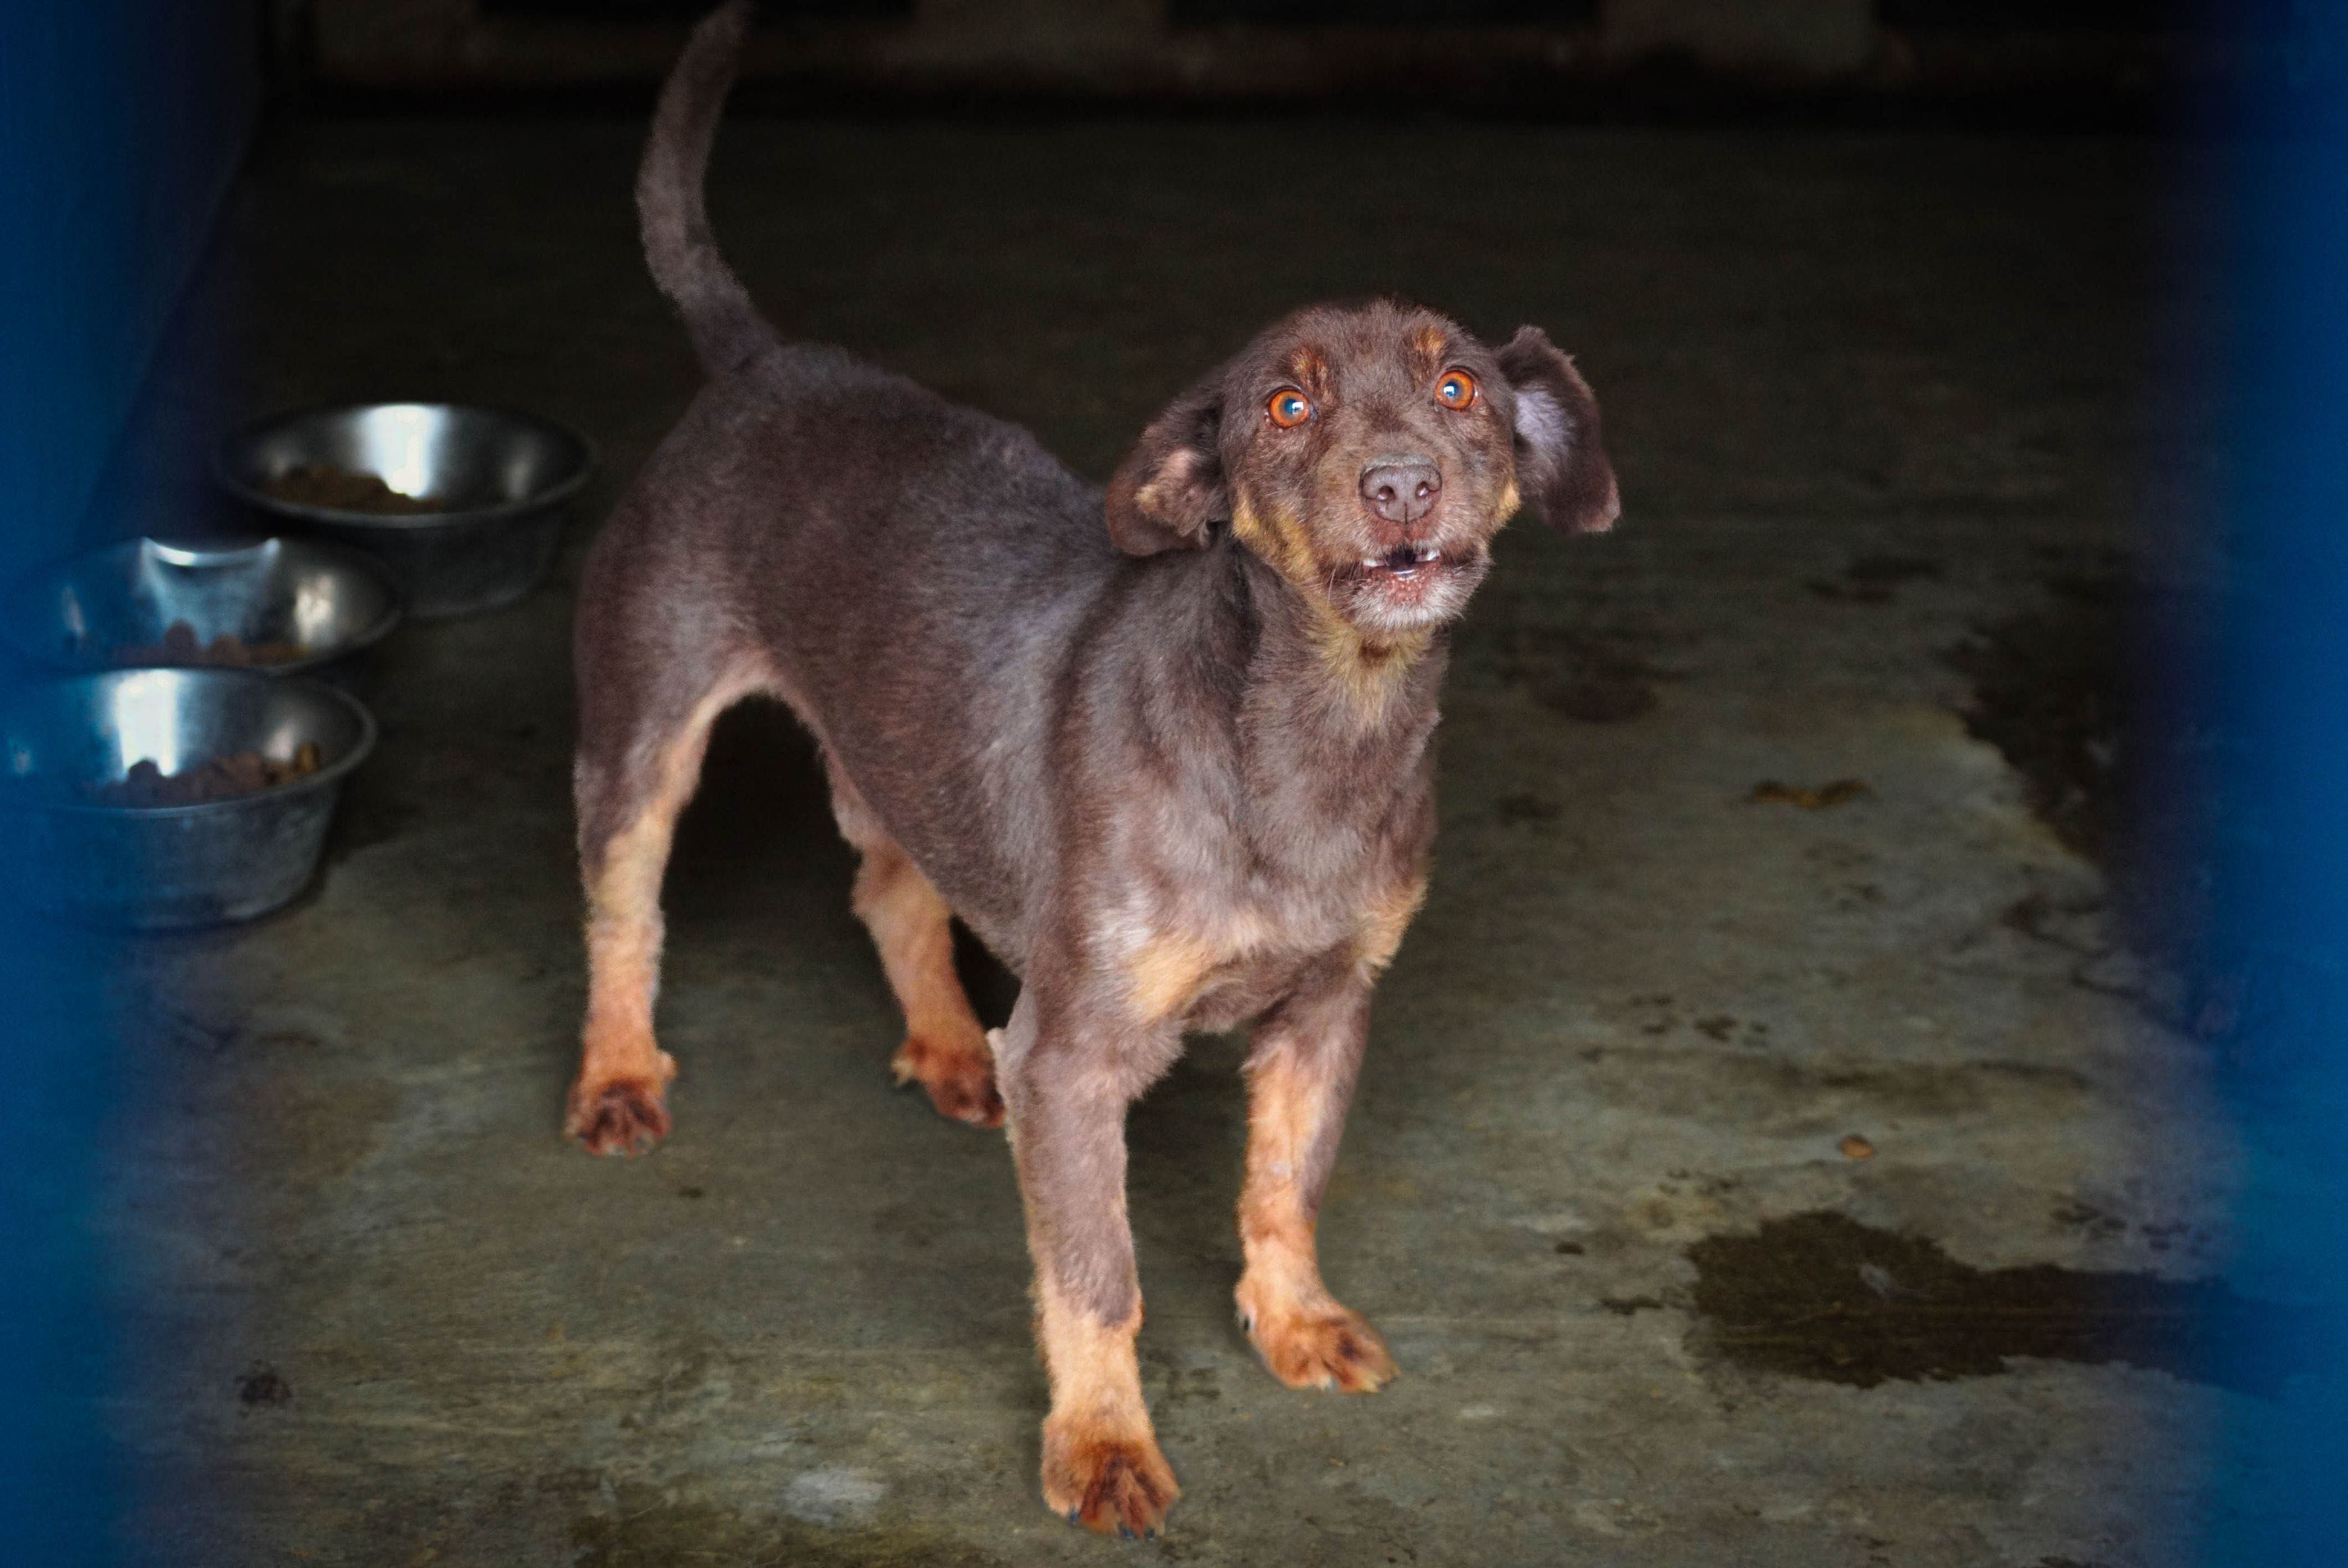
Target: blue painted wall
(2282, 1494)
(122, 123)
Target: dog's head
(1369, 453)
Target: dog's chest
(1259, 882)
(1211, 969)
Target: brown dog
(1167, 751)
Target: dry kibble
(180, 646)
(215, 778)
(341, 490)
(1857, 1148)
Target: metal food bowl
(283, 606)
(498, 482)
(168, 865)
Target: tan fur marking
(1102, 1466)
(945, 1047)
(1368, 673)
(1311, 372)
(1510, 500)
(1281, 1271)
(1168, 971)
(1095, 1376)
(1384, 923)
(1173, 471)
(1307, 1338)
(615, 1102)
(1431, 346)
(1279, 539)
(623, 945)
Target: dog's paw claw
(1332, 1348)
(960, 1082)
(620, 1117)
(1109, 1484)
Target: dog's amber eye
(1289, 408)
(1456, 390)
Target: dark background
(124, 125)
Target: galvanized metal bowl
(168, 865)
(498, 482)
(290, 606)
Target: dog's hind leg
(635, 771)
(944, 1049)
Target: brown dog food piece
(228, 649)
(215, 778)
(1855, 1147)
(341, 490)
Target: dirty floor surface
(1783, 1176)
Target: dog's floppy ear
(1562, 468)
(1172, 485)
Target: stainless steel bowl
(116, 607)
(168, 865)
(501, 478)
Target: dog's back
(881, 550)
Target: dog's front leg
(1306, 1053)
(1066, 1080)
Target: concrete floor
(1867, 396)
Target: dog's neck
(1321, 703)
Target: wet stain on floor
(2100, 698)
(1586, 679)
(1600, 700)
(1874, 580)
(2097, 700)
(1527, 808)
(1783, 1092)
(2053, 690)
(1820, 1295)
(263, 1386)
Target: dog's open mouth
(1404, 560)
(1410, 584)
(1409, 572)
(1404, 563)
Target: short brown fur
(1166, 749)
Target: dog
(1167, 750)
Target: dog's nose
(1401, 489)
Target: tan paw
(1120, 1484)
(617, 1115)
(959, 1079)
(1322, 1347)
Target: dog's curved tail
(726, 328)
